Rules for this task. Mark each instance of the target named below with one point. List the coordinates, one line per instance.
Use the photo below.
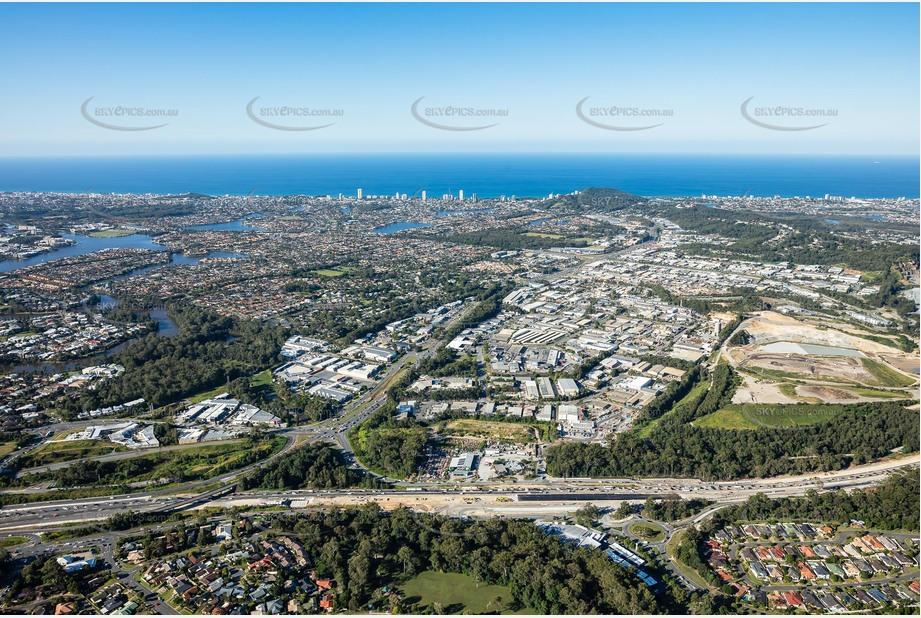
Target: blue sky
(696, 63)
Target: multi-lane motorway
(548, 495)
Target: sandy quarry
(771, 326)
(756, 390)
(773, 329)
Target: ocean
(487, 175)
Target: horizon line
(465, 153)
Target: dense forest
(316, 466)
(388, 446)
(365, 549)
(811, 241)
(893, 505)
(208, 351)
(530, 237)
(856, 434)
(593, 199)
(671, 507)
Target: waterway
(399, 226)
(240, 225)
(88, 244)
(85, 244)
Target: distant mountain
(596, 199)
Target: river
(90, 244)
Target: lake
(240, 225)
(399, 226)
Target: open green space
(263, 378)
(875, 392)
(60, 494)
(758, 416)
(541, 235)
(458, 594)
(12, 541)
(326, 272)
(647, 531)
(885, 375)
(6, 448)
(181, 465)
(71, 450)
(789, 375)
(111, 233)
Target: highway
(549, 495)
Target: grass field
(539, 235)
(646, 531)
(183, 464)
(214, 392)
(510, 433)
(12, 541)
(326, 272)
(111, 233)
(885, 375)
(792, 376)
(6, 448)
(263, 378)
(56, 452)
(757, 416)
(458, 594)
(874, 392)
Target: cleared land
(457, 594)
(542, 235)
(509, 433)
(793, 360)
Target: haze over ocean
(487, 175)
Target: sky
(68, 72)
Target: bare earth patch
(825, 393)
(754, 390)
